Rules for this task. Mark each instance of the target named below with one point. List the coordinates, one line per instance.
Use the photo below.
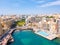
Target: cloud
(57, 2)
(38, 1)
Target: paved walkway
(4, 39)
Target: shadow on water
(18, 42)
(57, 40)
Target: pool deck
(50, 36)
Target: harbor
(29, 22)
(28, 37)
(40, 33)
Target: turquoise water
(30, 38)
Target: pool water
(43, 33)
(30, 38)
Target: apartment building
(58, 26)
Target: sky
(29, 6)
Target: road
(4, 39)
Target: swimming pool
(43, 33)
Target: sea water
(26, 37)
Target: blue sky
(29, 6)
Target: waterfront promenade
(6, 37)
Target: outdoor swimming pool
(43, 33)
